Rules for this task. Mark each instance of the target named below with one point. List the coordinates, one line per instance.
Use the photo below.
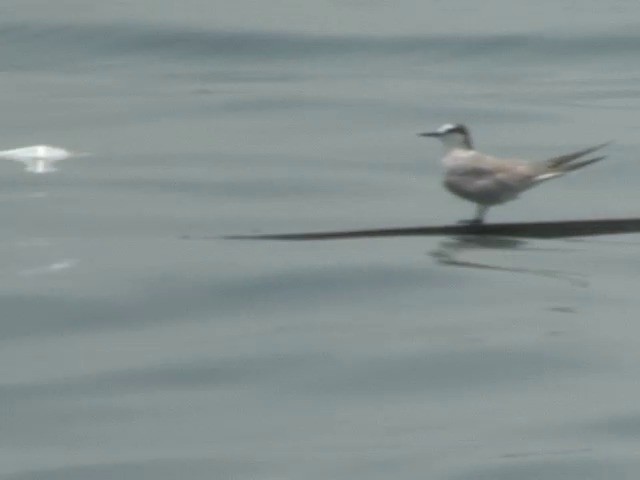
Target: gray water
(131, 352)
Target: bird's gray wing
(489, 180)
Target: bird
(487, 180)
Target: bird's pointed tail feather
(562, 160)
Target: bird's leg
(481, 211)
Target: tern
(486, 180)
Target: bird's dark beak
(429, 134)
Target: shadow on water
(449, 253)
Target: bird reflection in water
(449, 253)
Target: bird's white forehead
(446, 127)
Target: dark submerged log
(556, 229)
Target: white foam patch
(39, 158)
(55, 267)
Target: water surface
(128, 351)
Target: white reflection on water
(39, 158)
(54, 267)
